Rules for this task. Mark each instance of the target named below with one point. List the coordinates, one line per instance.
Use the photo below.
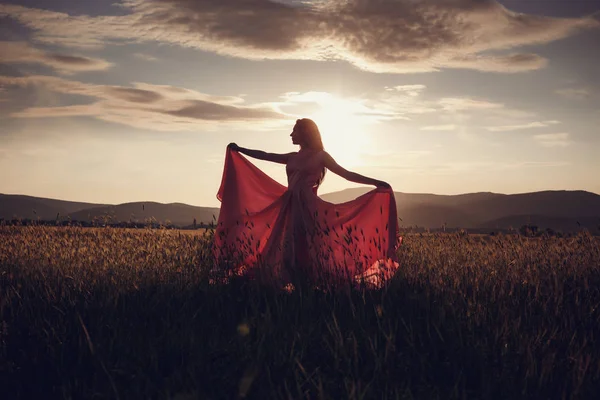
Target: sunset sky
(116, 101)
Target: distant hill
(28, 207)
(177, 213)
(410, 199)
(560, 210)
(564, 204)
(20, 206)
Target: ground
(116, 313)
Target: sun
(343, 130)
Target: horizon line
(323, 194)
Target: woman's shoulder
(319, 152)
(321, 155)
(292, 154)
(324, 155)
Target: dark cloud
(376, 35)
(21, 52)
(69, 60)
(155, 107)
(379, 35)
(133, 95)
(205, 110)
(257, 24)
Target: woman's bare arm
(334, 167)
(262, 155)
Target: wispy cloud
(397, 103)
(510, 63)
(147, 106)
(466, 103)
(145, 57)
(537, 124)
(360, 110)
(451, 110)
(553, 139)
(574, 93)
(21, 52)
(411, 90)
(402, 104)
(382, 36)
(449, 127)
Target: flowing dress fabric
(271, 232)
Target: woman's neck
(306, 148)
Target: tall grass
(115, 313)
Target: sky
(113, 101)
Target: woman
(281, 234)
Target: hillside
(177, 213)
(20, 206)
(28, 207)
(560, 210)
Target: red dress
(274, 233)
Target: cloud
(200, 109)
(21, 52)
(170, 108)
(452, 110)
(376, 35)
(411, 90)
(439, 128)
(511, 63)
(402, 103)
(451, 113)
(503, 114)
(331, 107)
(553, 139)
(574, 93)
(536, 124)
(466, 103)
(397, 103)
(145, 57)
(146, 106)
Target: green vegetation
(125, 313)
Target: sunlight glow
(343, 127)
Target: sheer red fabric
(279, 234)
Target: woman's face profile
(296, 134)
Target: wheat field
(131, 313)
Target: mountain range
(37, 208)
(559, 210)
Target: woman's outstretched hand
(233, 146)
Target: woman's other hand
(382, 184)
(233, 146)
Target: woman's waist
(302, 187)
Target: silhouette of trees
(528, 230)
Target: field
(114, 313)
